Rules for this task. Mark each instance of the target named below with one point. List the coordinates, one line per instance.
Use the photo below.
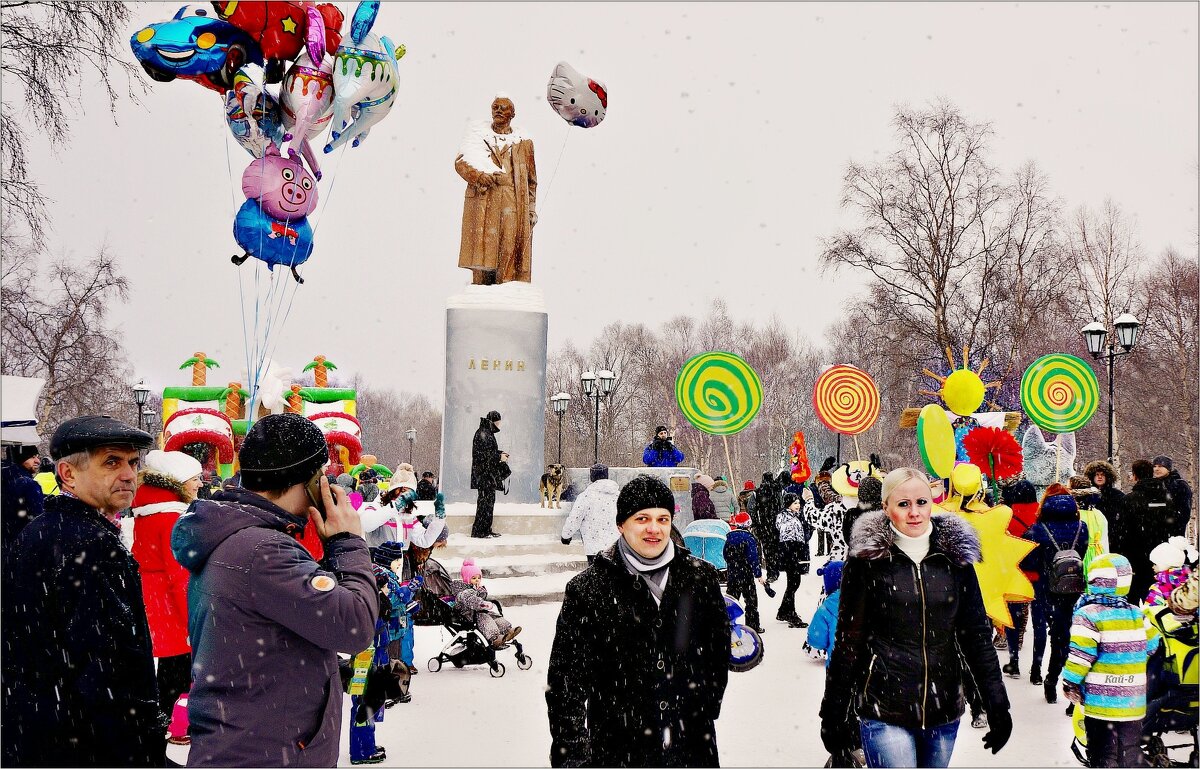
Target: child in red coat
(167, 485)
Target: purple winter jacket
(266, 622)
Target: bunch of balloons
(325, 82)
(287, 73)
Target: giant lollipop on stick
(846, 401)
(719, 393)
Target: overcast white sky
(715, 174)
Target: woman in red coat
(167, 485)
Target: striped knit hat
(1109, 574)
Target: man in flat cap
(266, 621)
(79, 686)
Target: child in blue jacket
(743, 567)
(824, 624)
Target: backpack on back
(1066, 569)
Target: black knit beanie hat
(643, 493)
(870, 492)
(599, 472)
(281, 450)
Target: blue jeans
(889, 745)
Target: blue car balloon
(194, 45)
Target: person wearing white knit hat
(167, 485)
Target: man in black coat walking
(1148, 519)
(79, 686)
(489, 468)
(641, 651)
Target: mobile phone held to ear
(313, 489)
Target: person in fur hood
(166, 486)
(910, 606)
(1112, 500)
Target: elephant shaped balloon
(364, 88)
(307, 104)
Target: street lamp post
(598, 386)
(411, 434)
(140, 394)
(1094, 335)
(560, 401)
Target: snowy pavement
(462, 717)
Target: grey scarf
(653, 571)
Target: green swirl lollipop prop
(1059, 393)
(718, 393)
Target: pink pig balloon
(272, 225)
(283, 186)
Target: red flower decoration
(996, 453)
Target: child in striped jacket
(1106, 666)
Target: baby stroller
(706, 540)
(469, 647)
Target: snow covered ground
(462, 717)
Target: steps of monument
(526, 520)
(519, 569)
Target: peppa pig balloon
(272, 224)
(307, 101)
(364, 88)
(578, 100)
(252, 114)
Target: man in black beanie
(657, 613)
(489, 468)
(266, 620)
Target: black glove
(564, 540)
(836, 738)
(1001, 729)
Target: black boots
(1012, 670)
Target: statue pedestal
(495, 360)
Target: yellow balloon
(935, 439)
(963, 392)
(966, 479)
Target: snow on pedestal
(495, 360)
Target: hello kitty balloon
(578, 100)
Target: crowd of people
(152, 609)
(902, 605)
(157, 607)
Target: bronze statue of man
(499, 207)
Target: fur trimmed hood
(1101, 466)
(162, 481)
(872, 537)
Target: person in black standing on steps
(489, 468)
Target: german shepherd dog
(551, 486)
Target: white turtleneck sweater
(916, 547)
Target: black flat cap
(92, 432)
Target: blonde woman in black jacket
(910, 602)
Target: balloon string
(241, 278)
(328, 195)
(554, 173)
